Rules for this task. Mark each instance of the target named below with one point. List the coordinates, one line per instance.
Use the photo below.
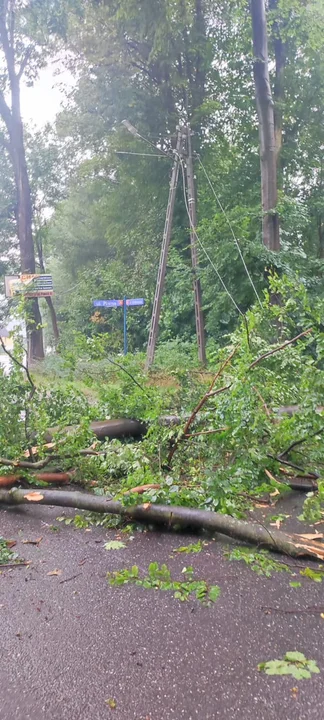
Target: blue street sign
(135, 301)
(126, 302)
(107, 303)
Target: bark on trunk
(49, 300)
(13, 121)
(265, 108)
(279, 87)
(320, 238)
(171, 516)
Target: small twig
(14, 565)
(207, 432)
(271, 477)
(113, 362)
(312, 610)
(267, 411)
(21, 365)
(26, 464)
(222, 367)
(140, 489)
(70, 578)
(210, 393)
(279, 347)
(293, 476)
(217, 392)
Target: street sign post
(124, 303)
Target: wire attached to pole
(203, 247)
(231, 229)
(135, 132)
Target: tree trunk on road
(171, 516)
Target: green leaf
(295, 584)
(111, 703)
(294, 663)
(312, 666)
(214, 593)
(114, 545)
(295, 657)
(312, 574)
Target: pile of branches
(167, 516)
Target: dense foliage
(239, 444)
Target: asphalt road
(70, 642)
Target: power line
(65, 292)
(231, 229)
(126, 152)
(202, 246)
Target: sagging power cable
(203, 247)
(231, 229)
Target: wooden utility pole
(265, 107)
(194, 258)
(155, 319)
(183, 151)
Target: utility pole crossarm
(155, 319)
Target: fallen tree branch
(266, 409)
(289, 464)
(58, 478)
(140, 489)
(171, 516)
(279, 347)
(300, 442)
(210, 393)
(26, 463)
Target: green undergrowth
(237, 444)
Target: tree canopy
(157, 65)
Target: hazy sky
(41, 103)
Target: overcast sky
(41, 103)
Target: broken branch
(300, 442)
(170, 516)
(266, 409)
(279, 347)
(207, 432)
(210, 393)
(26, 463)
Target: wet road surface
(70, 642)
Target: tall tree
(16, 56)
(265, 107)
(27, 31)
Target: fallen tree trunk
(54, 478)
(171, 516)
(119, 428)
(102, 429)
